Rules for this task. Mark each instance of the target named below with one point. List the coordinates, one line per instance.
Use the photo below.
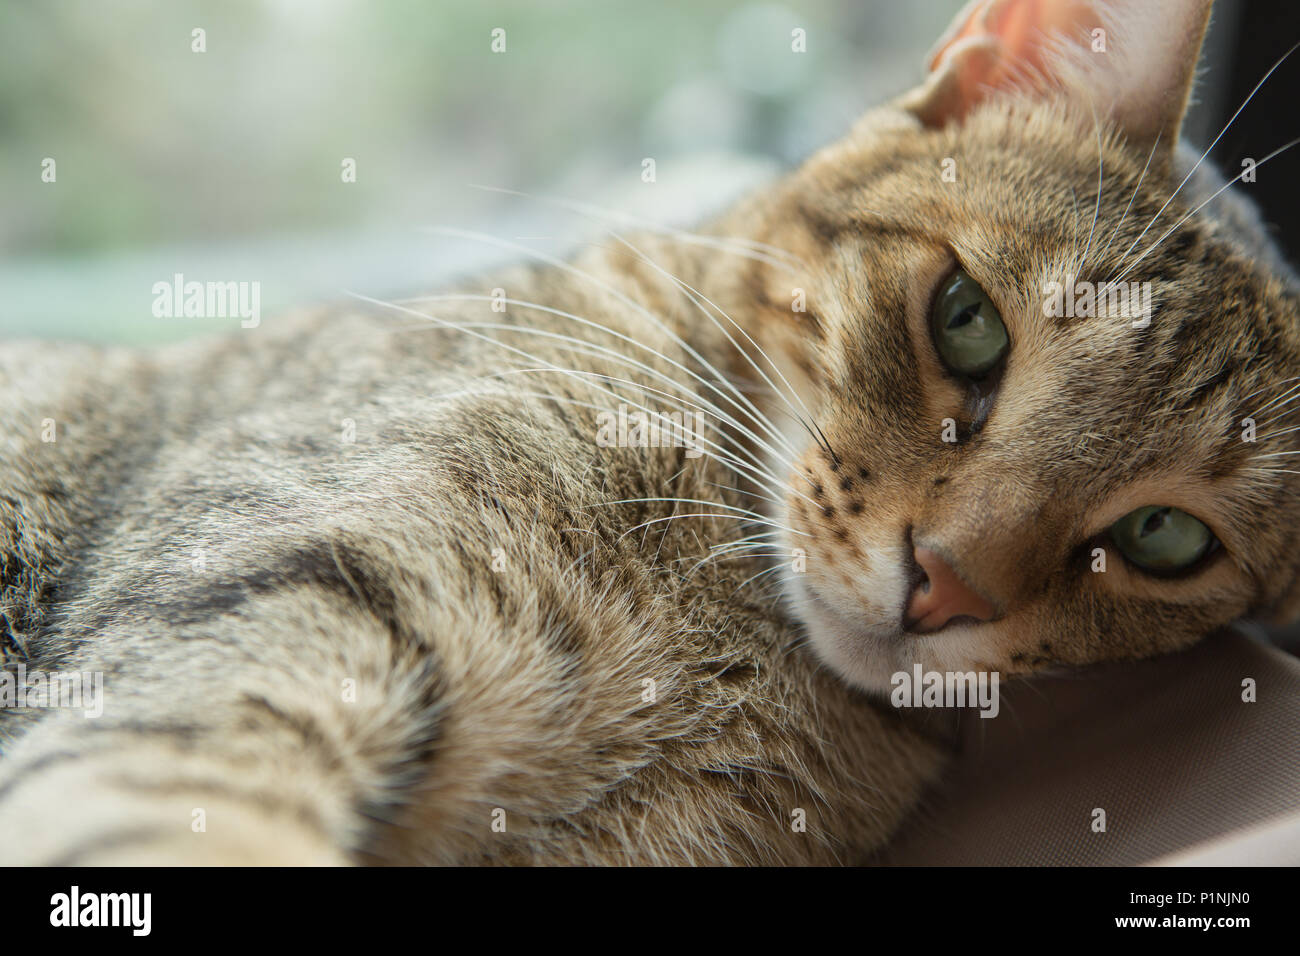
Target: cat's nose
(941, 595)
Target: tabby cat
(410, 583)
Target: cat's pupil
(964, 317)
(1155, 522)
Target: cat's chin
(863, 652)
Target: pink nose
(942, 596)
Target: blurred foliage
(160, 149)
(156, 143)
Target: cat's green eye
(1159, 538)
(968, 332)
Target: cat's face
(1006, 489)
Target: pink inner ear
(1002, 44)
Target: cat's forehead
(1032, 179)
(1146, 267)
(1137, 310)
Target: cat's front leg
(67, 801)
(212, 744)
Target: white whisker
(1197, 165)
(748, 408)
(572, 373)
(692, 293)
(617, 294)
(1217, 193)
(1136, 189)
(709, 514)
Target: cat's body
(358, 595)
(256, 551)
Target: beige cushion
(1183, 768)
(1276, 843)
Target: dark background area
(1251, 36)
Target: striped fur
(473, 635)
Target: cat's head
(1012, 478)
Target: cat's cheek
(1028, 640)
(860, 651)
(1143, 615)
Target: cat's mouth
(878, 626)
(864, 649)
(872, 644)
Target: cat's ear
(1132, 61)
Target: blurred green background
(225, 165)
